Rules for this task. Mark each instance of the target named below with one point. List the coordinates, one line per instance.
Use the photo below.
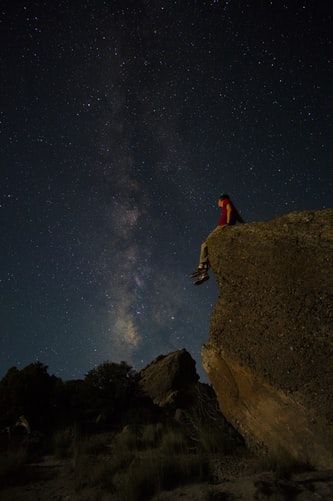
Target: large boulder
(169, 379)
(270, 349)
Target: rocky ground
(261, 486)
(240, 477)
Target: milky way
(121, 124)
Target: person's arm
(238, 217)
(229, 211)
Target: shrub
(213, 439)
(174, 442)
(12, 465)
(91, 471)
(151, 435)
(129, 439)
(136, 473)
(91, 445)
(120, 461)
(63, 441)
(156, 472)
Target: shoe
(199, 271)
(201, 278)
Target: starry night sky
(121, 124)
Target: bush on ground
(92, 472)
(152, 434)
(12, 465)
(129, 439)
(90, 445)
(213, 439)
(135, 471)
(174, 441)
(63, 441)
(146, 476)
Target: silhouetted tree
(30, 391)
(111, 389)
(109, 395)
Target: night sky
(121, 125)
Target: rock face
(169, 379)
(172, 382)
(270, 350)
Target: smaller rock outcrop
(172, 383)
(169, 379)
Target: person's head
(222, 197)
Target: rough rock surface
(169, 379)
(270, 350)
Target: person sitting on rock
(229, 216)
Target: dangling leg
(201, 273)
(203, 261)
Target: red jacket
(229, 214)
